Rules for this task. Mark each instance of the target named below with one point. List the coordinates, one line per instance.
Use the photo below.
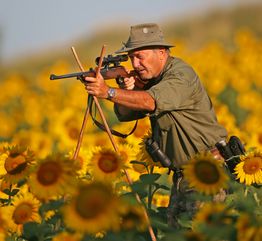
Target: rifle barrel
(65, 76)
(107, 73)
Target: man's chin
(144, 77)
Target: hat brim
(141, 46)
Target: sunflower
(3, 157)
(212, 214)
(250, 100)
(127, 152)
(41, 143)
(8, 124)
(246, 230)
(132, 216)
(24, 209)
(53, 176)
(67, 128)
(17, 162)
(106, 164)
(96, 138)
(91, 209)
(205, 173)
(81, 161)
(249, 170)
(142, 128)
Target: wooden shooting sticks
(80, 138)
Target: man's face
(148, 63)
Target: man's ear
(162, 53)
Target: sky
(28, 26)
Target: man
(182, 117)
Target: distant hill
(196, 30)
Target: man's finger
(90, 79)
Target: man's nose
(135, 62)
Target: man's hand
(96, 86)
(128, 83)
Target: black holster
(156, 153)
(231, 151)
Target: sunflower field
(48, 191)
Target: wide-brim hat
(144, 35)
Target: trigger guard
(120, 81)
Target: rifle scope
(110, 59)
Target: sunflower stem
(256, 199)
(150, 193)
(246, 192)
(9, 196)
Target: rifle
(111, 69)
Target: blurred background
(221, 39)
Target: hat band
(133, 44)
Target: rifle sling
(102, 127)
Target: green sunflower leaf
(149, 178)
(11, 192)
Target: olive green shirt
(183, 122)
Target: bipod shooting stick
(80, 138)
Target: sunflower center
(73, 133)
(49, 173)
(108, 163)
(206, 172)
(130, 220)
(22, 213)
(15, 165)
(92, 201)
(252, 165)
